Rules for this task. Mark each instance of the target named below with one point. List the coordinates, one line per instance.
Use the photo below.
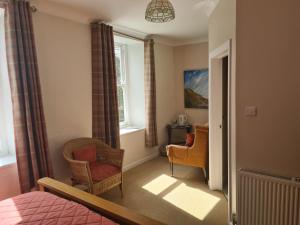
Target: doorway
(225, 134)
(221, 122)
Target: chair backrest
(200, 145)
(77, 143)
(201, 133)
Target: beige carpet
(183, 200)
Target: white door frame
(215, 120)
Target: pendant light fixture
(160, 11)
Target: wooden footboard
(106, 208)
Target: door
(220, 124)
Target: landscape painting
(196, 89)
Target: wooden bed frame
(115, 212)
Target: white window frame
(7, 139)
(124, 82)
(3, 152)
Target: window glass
(121, 72)
(118, 63)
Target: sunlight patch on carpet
(193, 201)
(159, 184)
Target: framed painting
(196, 89)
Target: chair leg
(205, 175)
(73, 182)
(172, 166)
(121, 189)
(91, 189)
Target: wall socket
(250, 111)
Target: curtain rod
(120, 33)
(129, 36)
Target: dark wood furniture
(177, 134)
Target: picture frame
(196, 89)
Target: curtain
(150, 95)
(31, 143)
(104, 86)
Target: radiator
(267, 200)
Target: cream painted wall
(221, 28)
(165, 89)
(268, 53)
(64, 57)
(222, 23)
(189, 57)
(135, 150)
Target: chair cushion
(86, 153)
(101, 171)
(190, 139)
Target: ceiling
(190, 24)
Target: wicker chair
(81, 172)
(195, 155)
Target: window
(7, 145)
(130, 81)
(122, 83)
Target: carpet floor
(180, 200)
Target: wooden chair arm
(171, 148)
(113, 156)
(77, 162)
(177, 151)
(106, 208)
(80, 170)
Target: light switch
(250, 111)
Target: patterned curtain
(150, 95)
(104, 86)
(32, 150)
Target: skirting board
(141, 161)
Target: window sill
(130, 130)
(7, 160)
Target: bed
(59, 204)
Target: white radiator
(267, 200)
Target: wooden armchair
(195, 155)
(109, 165)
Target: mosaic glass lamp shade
(160, 11)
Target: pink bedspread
(42, 208)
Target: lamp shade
(160, 11)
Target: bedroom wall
(64, 57)
(222, 23)
(189, 57)
(166, 110)
(268, 78)
(267, 54)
